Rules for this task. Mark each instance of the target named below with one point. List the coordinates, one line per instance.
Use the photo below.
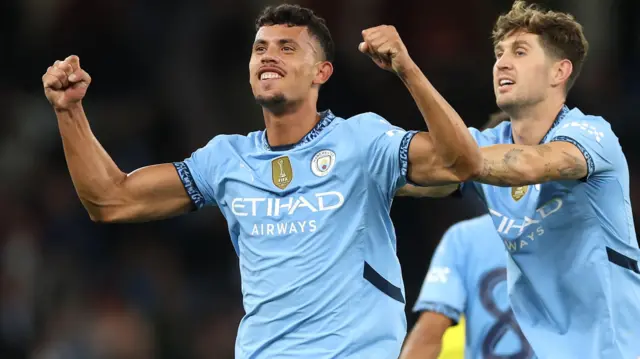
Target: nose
(267, 59)
(270, 56)
(504, 63)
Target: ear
(324, 70)
(560, 72)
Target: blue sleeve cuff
(404, 152)
(591, 167)
(189, 184)
(443, 309)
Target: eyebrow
(280, 41)
(515, 44)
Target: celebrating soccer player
(307, 200)
(556, 183)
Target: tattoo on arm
(505, 171)
(568, 167)
(493, 172)
(573, 170)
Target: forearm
(451, 138)
(517, 165)
(421, 350)
(431, 191)
(94, 174)
(424, 342)
(425, 339)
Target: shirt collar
(561, 115)
(326, 118)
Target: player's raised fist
(385, 47)
(65, 83)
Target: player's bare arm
(447, 153)
(108, 194)
(517, 165)
(425, 339)
(409, 190)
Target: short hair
(561, 35)
(295, 15)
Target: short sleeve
(595, 139)
(199, 173)
(443, 290)
(386, 148)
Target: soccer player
(467, 275)
(307, 200)
(556, 183)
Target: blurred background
(168, 76)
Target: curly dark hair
(295, 15)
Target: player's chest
(264, 174)
(526, 213)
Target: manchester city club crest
(323, 162)
(281, 172)
(518, 192)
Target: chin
(275, 103)
(506, 103)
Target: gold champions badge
(281, 172)
(518, 192)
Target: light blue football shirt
(467, 275)
(311, 227)
(573, 277)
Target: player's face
(522, 72)
(284, 65)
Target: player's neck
(529, 125)
(290, 127)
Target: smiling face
(286, 66)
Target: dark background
(168, 76)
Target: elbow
(105, 210)
(468, 169)
(103, 217)
(468, 165)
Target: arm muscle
(108, 194)
(516, 165)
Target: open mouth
(503, 83)
(270, 76)
(270, 73)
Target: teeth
(270, 75)
(506, 82)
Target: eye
(260, 48)
(498, 55)
(520, 52)
(287, 49)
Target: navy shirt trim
(326, 118)
(404, 152)
(189, 184)
(591, 167)
(561, 115)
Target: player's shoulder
(236, 141)
(470, 229)
(576, 118)
(368, 121)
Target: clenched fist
(65, 83)
(386, 49)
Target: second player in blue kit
(556, 183)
